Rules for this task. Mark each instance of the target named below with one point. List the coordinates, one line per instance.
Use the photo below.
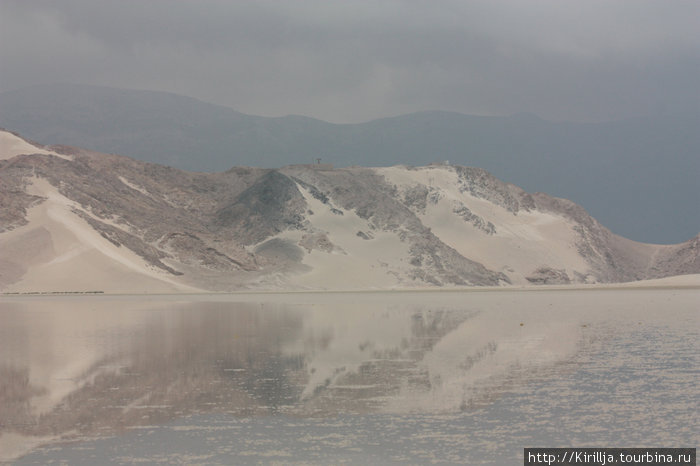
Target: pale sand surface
(364, 264)
(12, 146)
(691, 281)
(521, 243)
(57, 251)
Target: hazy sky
(354, 60)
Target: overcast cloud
(349, 61)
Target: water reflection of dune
(485, 353)
(83, 367)
(374, 360)
(187, 360)
(99, 366)
(442, 360)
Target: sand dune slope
(58, 251)
(73, 220)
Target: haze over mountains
(638, 177)
(77, 220)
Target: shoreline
(680, 282)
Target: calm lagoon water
(346, 378)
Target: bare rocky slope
(76, 220)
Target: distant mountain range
(77, 220)
(638, 176)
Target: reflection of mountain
(434, 375)
(116, 368)
(74, 220)
(16, 394)
(214, 358)
(382, 370)
(178, 360)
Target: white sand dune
(59, 251)
(415, 230)
(12, 146)
(358, 263)
(682, 281)
(521, 243)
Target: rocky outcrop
(549, 276)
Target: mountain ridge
(620, 171)
(74, 219)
